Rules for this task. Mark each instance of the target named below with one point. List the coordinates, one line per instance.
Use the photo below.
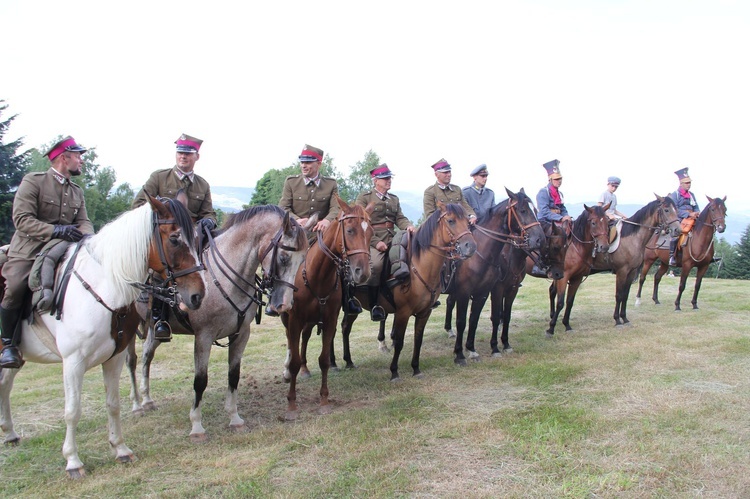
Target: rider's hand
(207, 224)
(67, 233)
(322, 225)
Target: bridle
(450, 251)
(714, 226)
(518, 240)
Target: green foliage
(13, 167)
(359, 177)
(270, 186)
(737, 263)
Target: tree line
(104, 202)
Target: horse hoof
(335, 369)
(76, 474)
(474, 356)
(396, 380)
(127, 458)
(304, 375)
(451, 333)
(418, 376)
(507, 350)
(290, 416)
(351, 366)
(198, 438)
(496, 355)
(549, 335)
(460, 362)
(138, 412)
(383, 347)
(325, 409)
(637, 302)
(238, 428)
(150, 406)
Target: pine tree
(738, 267)
(13, 167)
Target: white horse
(97, 319)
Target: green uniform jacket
(302, 201)
(40, 203)
(166, 183)
(451, 194)
(386, 211)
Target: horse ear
(659, 198)
(606, 206)
(342, 203)
(586, 207)
(441, 205)
(182, 198)
(725, 198)
(157, 206)
(510, 193)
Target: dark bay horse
(698, 252)
(590, 236)
(657, 216)
(97, 319)
(341, 253)
(444, 236)
(262, 236)
(557, 239)
(509, 229)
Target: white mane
(122, 248)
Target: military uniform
(451, 194)
(43, 200)
(302, 201)
(385, 217)
(166, 183)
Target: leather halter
(450, 250)
(713, 226)
(518, 240)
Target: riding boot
(672, 249)
(160, 317)
(377, 314)
(10, 357)
(402, 271)
(353, 307)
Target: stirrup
(162, 331)
(353, 306)
(377, 314)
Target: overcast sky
(636, 89)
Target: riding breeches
(16, 273)
(377, 258)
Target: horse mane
(579, 227)
(423, 236)
(247, 214)
(182, 218)
(121, 247)
(502, 206)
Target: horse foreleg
(625, 294)
(644, 274)
(149, 349)
(458, 349)
(556, 290)
(304, 372)
(73, 371)
(450, 302)
(131, 360)
(236, 349)
(420, 321)
(477, 304)
(324, 362)
(507, 312)
(496, 317)
(382, 346)
(111, 371)
(6, 419)
(553, 310)
(681, 288)
(698, 279)
(293, 331)
(346, 328)
(201, 353)
(572, 290)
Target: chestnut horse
(657, 216)
(259, 236)
(97, 319)
(698, 252)
(508, 228)
(340, 254)
(445, 235)
(590, 236)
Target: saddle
(42, 276)
(614, 235)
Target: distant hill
(231, 199)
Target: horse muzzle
(466, 249)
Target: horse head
(557, 240)
(353, 223)
(453, 233)
(280, 261)
(669, 221)
(522, 220)
(717, 211)
(597, 226)
(172, 253)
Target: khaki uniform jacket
(302, 201)
(166, 183)
(451, 194)
(386, 211)
(40, 203)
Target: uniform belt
(387, 225)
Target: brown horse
(445, 235)
(340, 254)
(509, 228)
(698, 252)
(557, 237)
(657, 216)
(590, 236)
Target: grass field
(658, 408)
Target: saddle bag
(42, 276)
(687, 224)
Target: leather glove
(207, 223)
(67, 233)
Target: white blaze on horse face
(364, 226)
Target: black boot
(353, 307)
(10, 357)
(160, 316)
(539, 271)
(672, 249)
(377, 314)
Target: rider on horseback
(385, 216)
(167, 183)
(47, 206)
(551, 206)
(687, 210)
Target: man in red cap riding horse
(687, 210)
